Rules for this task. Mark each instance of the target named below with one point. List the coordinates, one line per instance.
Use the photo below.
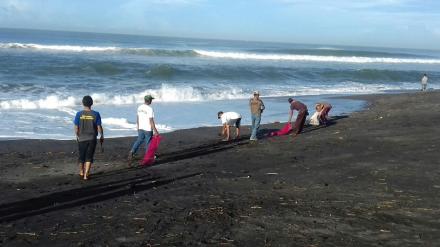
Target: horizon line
(215, 39)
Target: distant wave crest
(75, 48)
(314, 58)
(223, 55)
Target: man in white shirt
(145, 126)
(228, 119)
(424, 82)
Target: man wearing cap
(257, 107)
(228, 119)
(302, 114)
(145, 126)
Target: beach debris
(143, 219)
(272, 173)
(27, 233)
(256, 207)
(68, 233)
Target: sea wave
(362, 59)
(315, 58)
(112, 49)
(165, 93)
(72, 48)
(123, 124)
(168, 93)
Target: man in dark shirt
(302, 115)
(87, 125)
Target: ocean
(45, 74)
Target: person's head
(256, 94)
(219, 114)
(87, 101)
(148, 99)
(424, 74)
(290, 100)
(318, 107)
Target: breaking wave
(169, 93)
(315, 58)
(363, 59)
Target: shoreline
(368, 179)
(359, 98)
(274, 103)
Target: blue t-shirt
(87, 122)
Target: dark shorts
(238, 123)
(86, 151)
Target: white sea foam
(50, 102)
(123, 124)
(227, 55)
(169, 93)
(119, 122)
(72, 48)
(314, 58)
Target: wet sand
(368, 179)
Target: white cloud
(13, 6)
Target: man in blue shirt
(87, 125)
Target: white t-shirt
(230, 118)
(145, 112)
(425, 80)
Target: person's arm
(227, 131)
(262, 108)
(290, 116)
(153, 126)
(76, 128)
(99, 127)
(223, 131)
(137, 122)
(101, 132)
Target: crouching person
(228, 119)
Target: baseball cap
(256, 92)
(148, 97)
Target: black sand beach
(368, 179)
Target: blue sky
(389, 23)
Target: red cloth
(152, 148)
(284, 131)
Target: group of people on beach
(257, 107)
(87, 125)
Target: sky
(385, 23)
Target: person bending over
(302, 115)
(228, 119)
(323, 109)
